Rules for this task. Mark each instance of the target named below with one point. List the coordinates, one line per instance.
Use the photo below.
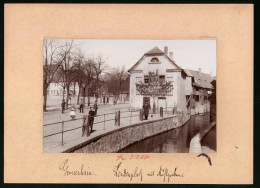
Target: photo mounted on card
(147, 94)
(129, 96)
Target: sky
(188, 54)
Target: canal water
(177, 140)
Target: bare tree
(66, 68)
(90, 73)
(99, 67)
(154, 87)
(117, 81)
(51, 64)
(79, 72)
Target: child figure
(73, 112)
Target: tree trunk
(88, 98)
(78, 96)
(45, 99)
(63, 92)
(67, 98)
(84, 95)
(97, 88)
(74, 91)
(154, 105)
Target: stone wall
(125, 136)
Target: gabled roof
(188, 72)
(201, 79)
(154, 51)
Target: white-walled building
(56, 89)
(157, 60)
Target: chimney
(166, 50)
(199, 70)
(171, 55)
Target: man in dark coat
(62, 106)
(91, 118)
(146, 108)
(81, 107)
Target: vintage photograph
(129, 96)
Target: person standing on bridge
(146, 108)
(91, 118)
(81, 106)
(62, 106)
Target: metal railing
(73, 125)
(100, 124)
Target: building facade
(56, 89)
(158, 61)
(198, 90)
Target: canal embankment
(118, 139)
(196, 145)
(178, 140)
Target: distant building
(198, 89)
(157, 60)
(55, 89)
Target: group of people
(92, 113)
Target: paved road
(54, 102)
(57, 116)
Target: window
(197, 98)
(169, 79)
(162, 79)
(154, 60)
(170, 92)
(138, 79)
(146, 79)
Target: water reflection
(173, 141)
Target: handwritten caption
(82, 171)
(120, 170)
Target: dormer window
(154, 60)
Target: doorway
(146, 99)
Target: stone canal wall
(118, 139)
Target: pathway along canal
(177, 140)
